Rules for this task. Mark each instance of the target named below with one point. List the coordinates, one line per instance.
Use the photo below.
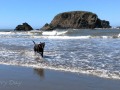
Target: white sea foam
(49, 33)
(75, 37)
(80, 54)
(5, 33)
(99, 73)
(28, 59)
(56, 34)
(68, 37)
(53, 33)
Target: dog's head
(42, 44)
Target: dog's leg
(42, 54)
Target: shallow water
(95, 52)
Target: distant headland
(76, 20)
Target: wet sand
(23, 78)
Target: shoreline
(25, 78)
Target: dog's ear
(34, 42)
(43, 44)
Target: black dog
(39, 48)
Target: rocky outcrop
(47, 27)
(76, 20)
(24, 27)
(118, 27)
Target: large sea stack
(76, 20)
(24, 27)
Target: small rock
(24, 27)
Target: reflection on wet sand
(40, 72)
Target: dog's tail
(34, 42)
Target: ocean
(93, 52)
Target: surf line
(61, 50)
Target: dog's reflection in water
(38, 58)
(40, 72)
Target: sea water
(95, 52)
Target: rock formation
(118, 27)
(47, 27)
(76, 20)
(24, 27)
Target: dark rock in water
(47, 27)
(76, 20)
(105, 24)
(118, 27)
(24, 27)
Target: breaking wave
(64, 34)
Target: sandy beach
(24, 78)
